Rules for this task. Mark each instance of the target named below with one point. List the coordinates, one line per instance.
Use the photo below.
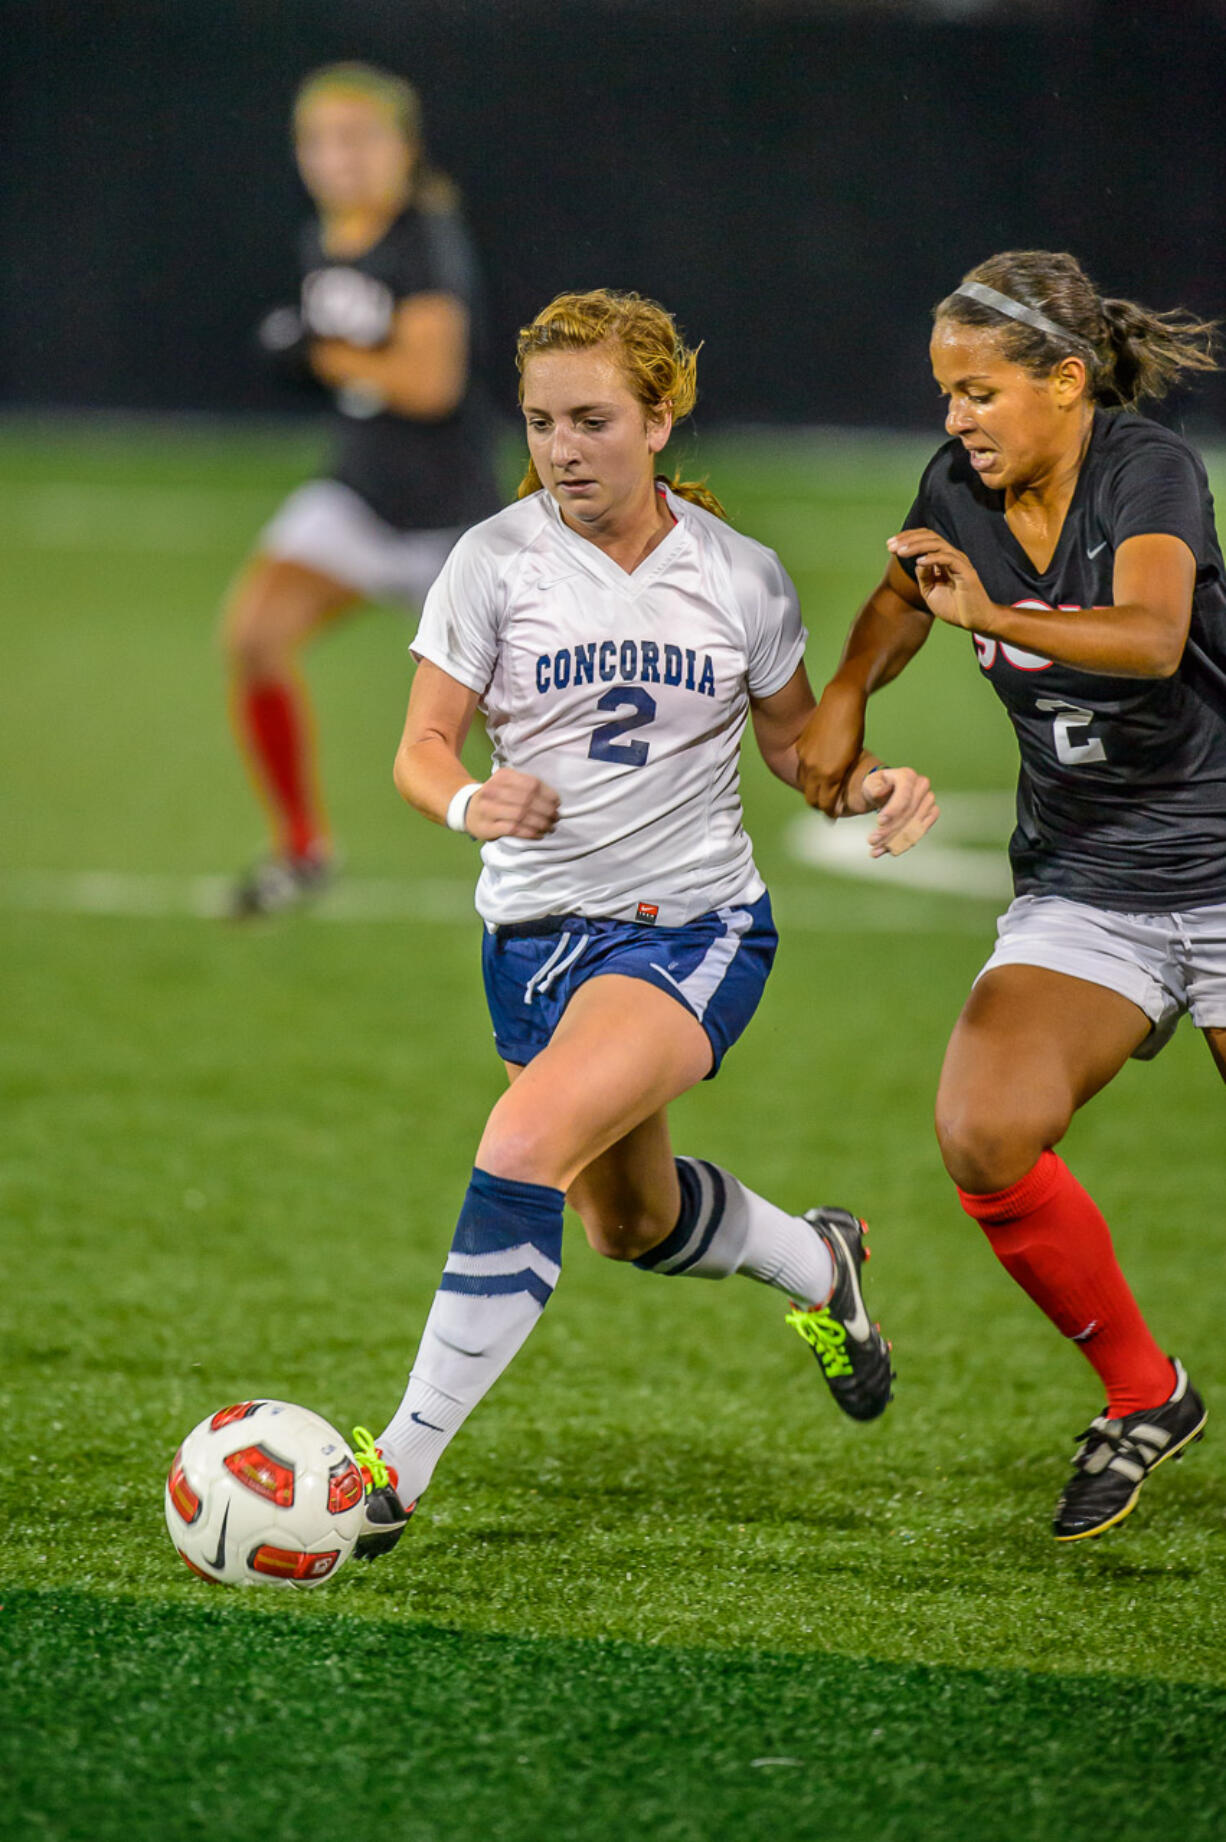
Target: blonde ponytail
(697, 492)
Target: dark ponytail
(1131, 352)
(1149, 351)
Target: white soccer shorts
(329, 527)
(1166, 964)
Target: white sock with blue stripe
(725, 1228)
(504, 1263)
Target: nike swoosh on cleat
(219, 1559)
(428, 1423)
(859, 1326)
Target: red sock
(275, 725)
(1048, 1235)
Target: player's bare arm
(902, 798)
(1141, 635)
(421, 371)
(429, 772)
(885, 636)
(778, 721)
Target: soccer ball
(264, 1494)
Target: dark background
(799, 182)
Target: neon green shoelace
(367, 1454)
(825, 1335)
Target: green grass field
(659, 1589)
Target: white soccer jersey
(628, 694)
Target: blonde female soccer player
(384, 322)
(1075, 541)
(618, 635)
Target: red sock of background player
(275, 727)
(1048, 1235)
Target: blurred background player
(618, 634)
(1076, 542)
(385, 321)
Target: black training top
(415, 475)
(1121, 798)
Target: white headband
(1017, 310)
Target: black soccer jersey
(1122, 792)
(415, 475)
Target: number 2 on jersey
(1072, 750)
(605, 744)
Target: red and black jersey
(415, 475)
(1122, 792)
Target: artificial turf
(659, 1587)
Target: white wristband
(457, 809)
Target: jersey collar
(593, 558)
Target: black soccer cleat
(277, 885)
(385, 1518)
(851, 1352)
(1117, 1456)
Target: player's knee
(522, 1150)
(622, 1236)
(272, 610)
(254, 639)
(988, 1142)
(608, 1239)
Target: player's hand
(512, 805)
(280, 330)
(829, 746)
(905, 807)
(282, 338)
(947, 578)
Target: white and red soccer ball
(264, 1493)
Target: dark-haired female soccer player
(384, 321)
(618, 634)
(1075, 541)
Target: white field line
(131, 895)
(138, 895)
(932, 868)
(943, 863)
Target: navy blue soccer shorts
(716, 966)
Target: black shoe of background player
(1118, 1455)
(277, 885)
